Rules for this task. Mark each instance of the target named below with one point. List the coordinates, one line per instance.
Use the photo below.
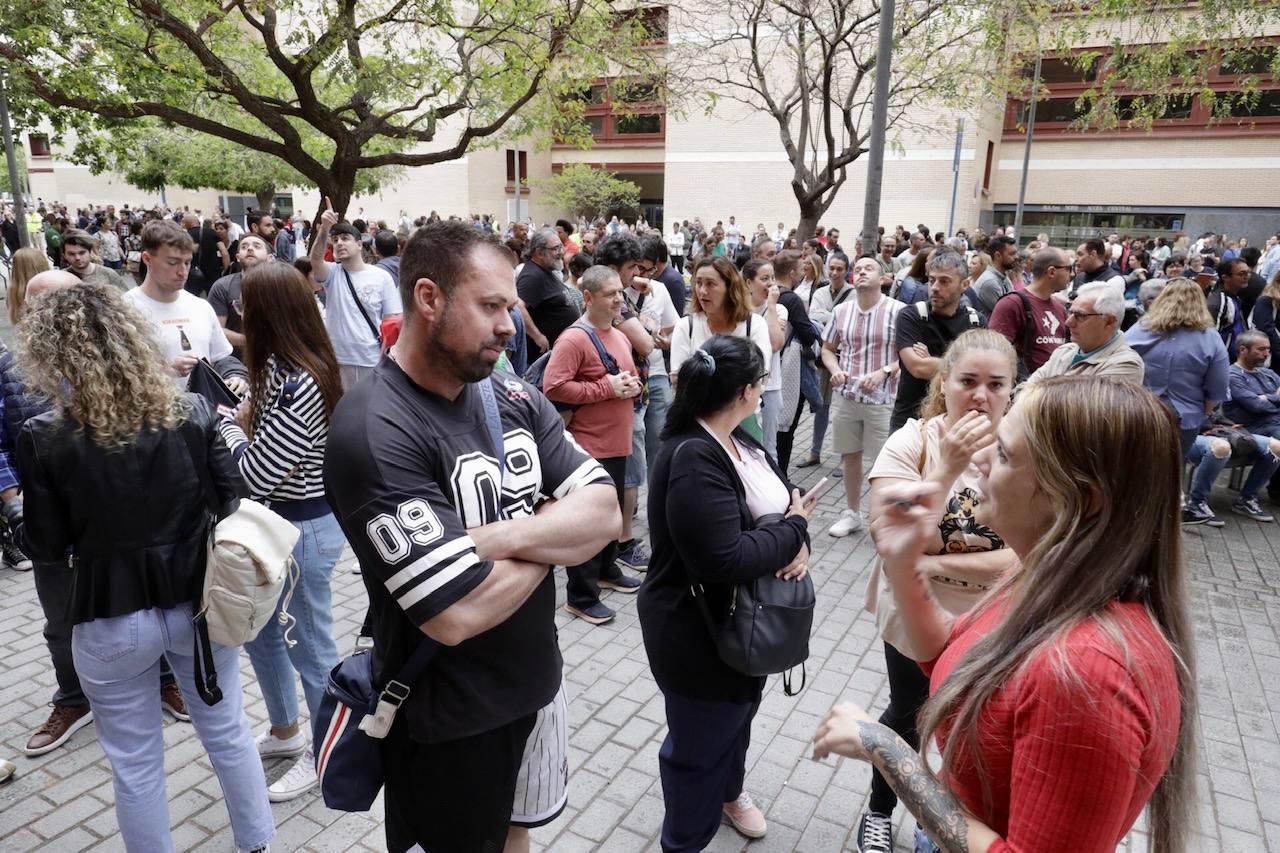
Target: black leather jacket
(130, 523)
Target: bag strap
(202, 468)
(493, 422)
(360, 305)
(610, 363)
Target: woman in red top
(1065, 701)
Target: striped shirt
(284, 461)
(864, 342)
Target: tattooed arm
(849, 731)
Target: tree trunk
(811, 210)
(265, 198)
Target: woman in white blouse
(721, 306)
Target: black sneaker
(634, 558)
(596, 614)
(875, 833)
(1250, 508)
(1199, 513)
(13, 557)
(622, 583)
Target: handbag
(250, 553)
(205, 381)
(349, 758)
(765, 629)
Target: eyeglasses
(761, 378)
(1083, 315)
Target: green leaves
(590, 192)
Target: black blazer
(130, 523)
(702, 532)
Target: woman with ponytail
(721, 513)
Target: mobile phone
(817, 491)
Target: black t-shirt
(934, 331)
(224, 296)
(547, 301)
(675, 287)
(407, 473)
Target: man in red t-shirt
(591, 368)
(1035, 342)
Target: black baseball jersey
(408, 473)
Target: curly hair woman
(110, 478)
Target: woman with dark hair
(721, 513)
(721, 306)
(914, 286)
(758, 275)
(278, 436)
(111, 476)
(1064, 703)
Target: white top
(766, 494)
(188, 317)
(692, 332)
(675, 243)
(353, 343)
(661, 313)
(774, 380)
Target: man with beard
(77, 251)
(458, 489)
(358, 297)
(224, 296)
(542, 291)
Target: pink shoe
(746, 817)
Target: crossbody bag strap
(351, 288)
(493, 422)
(206, 673)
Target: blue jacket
(1255, 400)
(1185, 368)
(16, 407)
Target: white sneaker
(849, 522)
(270, 746)
(300, 779)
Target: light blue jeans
(924, 844)
(315, 654)
(1209, 466)
(770, 414)
(637, 465)
(118, 661)
(655, 415)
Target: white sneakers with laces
(745, 816)
(270, 746)
(848, 522)
(299, 779)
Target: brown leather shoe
(63, 722)
(172, 703)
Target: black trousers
(787, 439)
(583, 581)
(702, 763)
(908, 690)
(454, 796)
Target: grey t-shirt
(103, 275)
(224, 296)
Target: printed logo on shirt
(1051, 323)
(474, 481)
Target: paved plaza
(63, 801)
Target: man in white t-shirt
(185, 324)
(358, 297)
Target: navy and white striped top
(283, 464)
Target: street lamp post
(1026, 150)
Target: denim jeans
(118, 660)
(655, 416)
(924, 844)
(314, 654)
(1209, 466)
(637, 462)
(770, 414)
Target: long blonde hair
(1273, 289)
(27, 263)
(1181, 305)
(974, 340)
(96, 358)
(1115, 536)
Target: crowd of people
(470, 409)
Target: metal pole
(1026, 150)
(15, 188)
(516, 157)
(879, 117)
(955, 177)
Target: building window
(1267, 104)
(511, 166)
(39, 143)
(986, 173)
(636, 125)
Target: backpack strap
(493, 422)
(922, 308)
(610, 363)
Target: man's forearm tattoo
(937, 809)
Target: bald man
(50, 280)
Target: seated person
(1210, 454)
